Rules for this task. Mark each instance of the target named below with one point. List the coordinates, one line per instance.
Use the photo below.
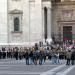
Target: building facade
(30, 21)
(63, 20)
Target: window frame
(20, 25)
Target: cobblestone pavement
(18, 67)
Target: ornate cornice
(16, 11)
(45, 0)
(66, 22)
(65, 3)
(31, 0)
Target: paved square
(18, 67)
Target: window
(16, 24)
(16, 20)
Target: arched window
(45, 23)
(16, 24)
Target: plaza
(34, 35)
(18, 67)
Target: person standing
(54, 58)
(35, 57)
(68, 57)
(31, 57)
(73, 57)
(57, 57)
(0, 54)
(41, 58)
(27, 57)
(16, 53)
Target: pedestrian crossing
(59, 70)
(52, 71)
(66, 71)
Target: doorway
(67, 34)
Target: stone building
(63, 20)
(29, 21)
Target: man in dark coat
(16, 55)
(27, 57)
(0, 54)
(31, 57)
(73, 57)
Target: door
(67, 34)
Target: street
(18, 67)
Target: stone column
(43, 24)
(49, 23)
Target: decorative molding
(67, 21)
(32, 3)
(67, 14)
(16, 0)
(71, 22)
(16, 11)
(13, 14)
(31, 0)
(45, 0)
(16, 32)
(65, 3)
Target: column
(3, 23)
(49, 24)
(43, 24)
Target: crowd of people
(38, 54)
(31, 55)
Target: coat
(68, 55)
(73, 56)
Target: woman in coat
(68, 57)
